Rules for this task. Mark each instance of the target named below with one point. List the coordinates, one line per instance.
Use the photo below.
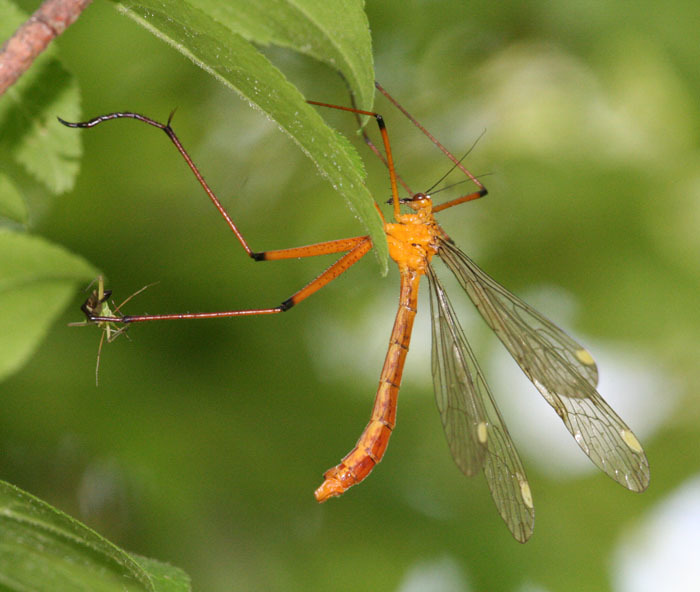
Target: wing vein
(561, 369)
(476, 434)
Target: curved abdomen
(372, 444)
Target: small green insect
(98, 305)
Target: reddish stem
(49, 21)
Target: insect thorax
(412, 242)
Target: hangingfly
(562, 370)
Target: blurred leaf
(44, 549)
(30, 134)
(37, 280)
(12, 205)
(207, 34)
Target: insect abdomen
(372, 444)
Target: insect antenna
(454, 166)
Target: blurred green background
(205, 440)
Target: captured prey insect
(562, 370)
(97, 304)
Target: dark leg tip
(286, 305)
(67, 123)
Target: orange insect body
(561, 369)
(412, 244)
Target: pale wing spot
(585, 357)
(481, 432)
(561, 369)
(581, 441)
(525, 492)
(631, 440)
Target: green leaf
(165, 577)
(12, 205)
(37, 280)
(309, 27)
(214, 38)
(30, 135)
(43, 549)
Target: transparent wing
(562, 370)
(475, 431)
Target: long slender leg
(387, 148)
(181, 149)
(326, 248)
(362, 246)
(388, 160)
(336, 246)
(355, 247)
(370, 143)
(433, 139)
(459, 200)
